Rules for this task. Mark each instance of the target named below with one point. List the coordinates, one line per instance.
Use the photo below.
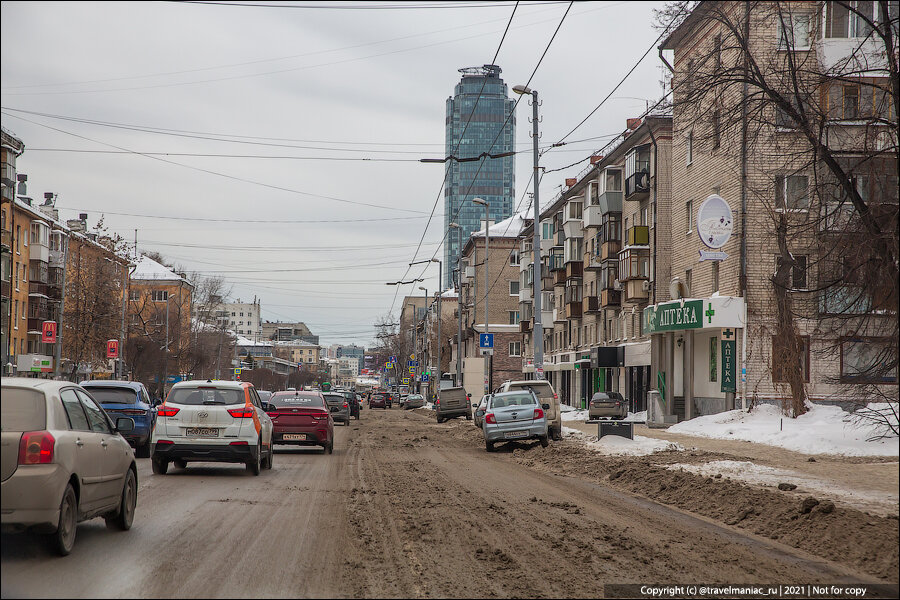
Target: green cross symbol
(727, 334)
(710, 312)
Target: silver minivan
(63, 461)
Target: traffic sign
(237, 371)
(412, 363)
(424, 377)
(486, 340)
(405, 380)
(412, 369)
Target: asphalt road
(403, 508)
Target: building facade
(479, 119)
(243, 318)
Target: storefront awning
(716, 312)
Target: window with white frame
(514, 258)
(159, 296)
(792, 192)
(690, 147)
(513, 317)
(515, 348)
(514, 288)
(793, 31)
(850, 19)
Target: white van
(547, 394)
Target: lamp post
(538, 334)
(458, 229)
(424, 316)
(489, 363)
(440, 274)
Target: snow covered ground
(617, 445)
(753, 473)
(822, 430)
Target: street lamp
(538, 334)
(489, 364)
(425, 341)
(440, 271)
(458, 302)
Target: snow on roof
(243, 341)
(450, 293)
(148, 269)
(510, 227)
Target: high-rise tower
(469, 134)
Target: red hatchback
(379, 400)
(302, 419)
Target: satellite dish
(679, 289)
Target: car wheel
(270, 460)
(143, 451)
(468, 417)
(440, 419)
(159, 466)
(489, 446)
(64, 539)
(123, 518)
(181, 464)
(254, 465)
(545, 440)
(557, 434)
(330, 448)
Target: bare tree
(823, 128)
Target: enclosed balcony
(590, 304)
(610, 298)
(637, 173)
(609, 284)
(639, 235)
(636, 290)
(39, 242)
(574, 269)
(556, 262)
(58, 241)
(573, 213)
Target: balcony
(6, 237)
(5, 290)
(593, 262)
(559, 277)
(573, 310)
(36, 288)
(574, 269)
(524, 326)
(610, 298)
(556, 262)
(639, 235)
(610, 250)
(559, 316)
(637, 187)
(590, 304)
(636, 290)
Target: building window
(514, 258)
(793, 31)
(798, 274)
(513, 317)
(715, 278)
(134, 295)
(792, 192)
(689, 215)
(865, 360)
(16, 312)
(780, 359)
(514, 288)
(690, 147)
(515, 348)
(159, 296)
(688, 277)
(842, 22)
(716, 129)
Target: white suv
(212, 421)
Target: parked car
(212, 421)
(480, 410)
(339, 407)
(452, 402)
(127, 399)
(515, 416)
(302, 419)
(379, 400)
(414, 401)
(63, 461)
(608, 404)
(547, 395)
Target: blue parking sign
(486, 340)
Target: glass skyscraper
(495, 182)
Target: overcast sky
(314, 238)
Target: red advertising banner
(48, 332)
(112, 349)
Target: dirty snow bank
(573, 414)
(822, 430)
(615, 445)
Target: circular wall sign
(714, 222)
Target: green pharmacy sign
(729, 368)
(673, 316)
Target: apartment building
(768, 179)
(282, 331)
(299, 353)
(501, 291)
(243, 318)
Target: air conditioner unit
(645, 285)
(470, 271)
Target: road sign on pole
(486, 340)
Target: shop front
(694, 356)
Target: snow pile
(749, 472)
(573, 414)
(614, 445)
(822, 430)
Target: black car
(354, 404)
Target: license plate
(511, 435)
(294, 436)
(202, 432)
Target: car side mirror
(545, 406)
(157, 401)
(268, 406)
(124, 424)
(479, 413)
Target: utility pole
(489, 361)
(62, 309)
(458, 302)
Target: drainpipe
(655, 205)
(743, 276)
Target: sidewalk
(866, 483)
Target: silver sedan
(414, 401)
(512, 416)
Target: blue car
(127, 399)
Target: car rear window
(513, 400)
(334, 398)
(541, 389)
(23, 410)
(297, 400)
(210, 395)
(113, 395)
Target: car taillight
(538, 413)
(164, 442)
(36, 448)
(241, 413)
(241, 443)
(167, 411)
(438, 401)
(346, 405)
(134, 412)
(490, 418)
(555, 397)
